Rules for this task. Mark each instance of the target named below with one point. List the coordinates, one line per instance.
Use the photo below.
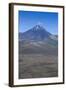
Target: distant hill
(36, 33)
(38, 40)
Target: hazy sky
(28, 19)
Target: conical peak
(38, 27)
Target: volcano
(35, 33)
(37, 39)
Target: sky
(28, 19)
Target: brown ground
(37, 66)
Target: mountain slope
(38, 40)
(36, 33)
(38, 54)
